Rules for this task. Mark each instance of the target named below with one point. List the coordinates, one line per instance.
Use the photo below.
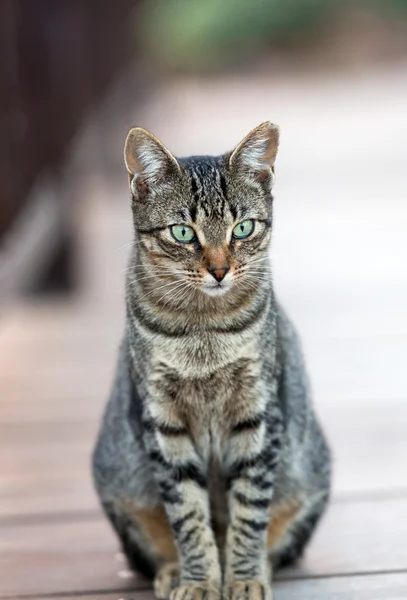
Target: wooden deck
(340, 250)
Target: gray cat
(210, 462)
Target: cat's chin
(219, 289)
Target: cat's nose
(219, 272)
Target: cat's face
(203, 221)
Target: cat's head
(203, 220)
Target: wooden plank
(357, 537)
(14, 435)
(58, 408)
(61, 557)
(341, 368)
(369, 444)
(370, 587)
(354, 538)
(42, 497)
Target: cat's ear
(148, 162)
(255, 156)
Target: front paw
(248, 590)
(196, 591)
(166, 580)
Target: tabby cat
(210, 462)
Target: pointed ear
(147, 160)
(255, 156)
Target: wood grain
(61, 557)
(358, 537)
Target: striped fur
(210, 421)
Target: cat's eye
(243, 229)
(183, 233)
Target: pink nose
(218, 272)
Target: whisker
(265, 258)
(180, 284)
(128, 245)
(181, 294)
(150, 268)
(171, 283)
(139, 276)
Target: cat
(210, 462)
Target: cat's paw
(248, 590)
(166, 580)
(196, 591)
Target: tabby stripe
(152, 230)
(260, 482)
(192, 558)
(194, 188)
(179, 523)
(194, 575)
(170, 497)
(156, 456)
(254, 502)
(253, 318)
(254, 525)
(248, 534)
(238, 469)
(188, 471)
(246, 574)
(239, 542)
(245, 555)
(144, 319)
(192, 212)
(223, 185)
(169, 494)
(170, 430)
(149, 425)
(188, 535)
(252, 423)
(242, 564)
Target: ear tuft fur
(147, 160)
(256, 154)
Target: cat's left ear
(148, 162)
(255, 156)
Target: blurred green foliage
(211, 34)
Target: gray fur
(210, 416)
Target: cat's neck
(188, 307)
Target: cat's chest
(201, 354)
(209, 404)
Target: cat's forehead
(207, 187)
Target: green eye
(243, 229)
(183, 233)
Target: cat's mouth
(217, 288)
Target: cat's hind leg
(292, 523)
(148, 543)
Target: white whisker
(171, 283)
(182, 283)
(128, 245)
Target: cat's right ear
(148, 162)
(255, 156)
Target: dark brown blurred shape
(57, 59)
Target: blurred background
(75, 76)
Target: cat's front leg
(181, 477)
(251, 460)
